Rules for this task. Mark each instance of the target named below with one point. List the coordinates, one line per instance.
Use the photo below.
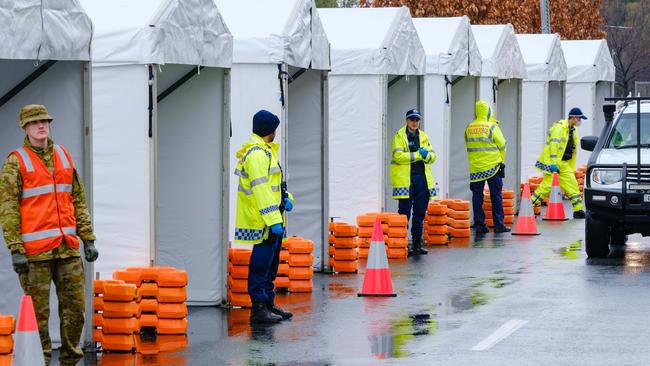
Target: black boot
(260, 314)
(277, 311)
(417, 247)
(579, 214)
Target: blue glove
(277, 230)
(424, 152)
(288, 206)
(554, 168)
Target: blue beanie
(264, 123)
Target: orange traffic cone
(27, 349)
(526, 220)
(555, 210)
(376, 281)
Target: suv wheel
(596, 238)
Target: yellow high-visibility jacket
(486, 145)
(556, 141)
(259, 193)
(400, 165)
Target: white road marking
(500, 334)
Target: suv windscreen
(624, 134)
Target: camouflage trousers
(68, 277)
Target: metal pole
(545, 16)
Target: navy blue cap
(576, 112)
(264, 123)
(413, 113)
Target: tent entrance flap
(463, 96)
(189, 189)
(25, 82)
(179, 83)
(509, 102)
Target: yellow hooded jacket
(556, 141)
(400, 165)
(486, 145)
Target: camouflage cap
(33, 112)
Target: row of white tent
(154, 97)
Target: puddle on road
(572, 251)
(390, 341)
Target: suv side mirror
(588, 143)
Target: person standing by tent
(411, 178)
(43, 214)
(486, 152)
(559, 156)
(261, 201)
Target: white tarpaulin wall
(138, 142)
(371, 48)
(273, 41)
(60, 86)
(500, 85)
(542, 94)
(590, 78)
(452, 54)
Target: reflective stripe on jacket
(259, 194)
(400, 165)
(486, 145)
(47, 213)
(556, 141)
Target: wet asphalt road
(567, 311)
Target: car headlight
(607, 176)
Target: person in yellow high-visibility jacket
(410, 176)
(559, 156)
(261, 202)
(486, 153)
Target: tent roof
(373, 41)
(543, 56)
(588, 61)
(44, 30)
(277, 31)
(189, 32)
(449, 45)
(501, 55)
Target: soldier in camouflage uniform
(61, 264)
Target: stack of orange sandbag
(116, 312)
(238, 261)
(508, 207)
(397, 243)
(458, 221)
(435, 224)
(7, 329)
(365, 223)
(345, 248)
(580, 177)
(282, 281)
(301, 271)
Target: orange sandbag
(301, 286)
(345, 254)
(458, 224)
(363, 252)
(436, 209)
(365, 232)
(148, 306)
(7, 324)
(301, 273)
(172, 294)
(128, 277)
(509, 203)
(345, 266)
(330, 262)
(508, 194)
(363, 242)
(237, 271)
(331, 226)
(459, 233)
(284, 255)
(437, 239)
(281, 282)
(397, 242)
(398, 220)
(342, 229)
(345, 242)
(239, 299)
(239, 256)
(301, 260)
(509, 210)
(397, 232)
(397, 253)
(6, 344)
(458, 215)
(437, 220)
(172, 311)
(120, 326)
(365, 221)
(98, 285)
(237, 285)
(173, 278)
(118, 342)
(457, 205)
(330, 239)
(172, 326)
(283, 269)
(149, 290)
(97, 335)
(98, 303)
(302, 246)
(436, 229)
(120, 309)
(98, 320)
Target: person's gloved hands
(19, 261)
(90, 251)
(288, 206)
(554, 168)
(423, 152)
(277, 229)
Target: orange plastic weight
(98, 285)
(345, 242)
(120, 309)
(128, 277)
(509, 203)
(173, 278)
(437, 229)
(345, 266)
(237, 271)
(118, 342)
(345, 254)
(397, 253)
(459, 233)
(363, 242)
(240, 299)
(458, 224)
(398, 220)
(458, 215)
(365, 231)
(283, 269)
(149, 290)
(98, 320)
(7, 324)
(172, 326)
(97, 335)
(281, 282)
(508, 194)
(301, 286)
(239, 256)
(148, 306)
(284, 256)
(172, 311)
(98, 303)
(120, 292)
(301, 273)
(342, 229)
(120, 326)
(301, 260)
(301, 246)
(330, 239)
(397, 232)
(509, 210)
(437, 220)
(172, 294)
(363, 252)
(397, 242)
(235, 285)
(365, 221)
(436, 209)
(459, 205)
(6, 344)
(437, 239)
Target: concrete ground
(494, 300)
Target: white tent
(448, 91)
(372, 48)
(500, 86)
(590, 79)
(160, 136)
(280, 63)
(43, 60)
(542, 94)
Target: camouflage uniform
(62, 265)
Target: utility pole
(545, 16)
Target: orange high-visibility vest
(46, 208)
